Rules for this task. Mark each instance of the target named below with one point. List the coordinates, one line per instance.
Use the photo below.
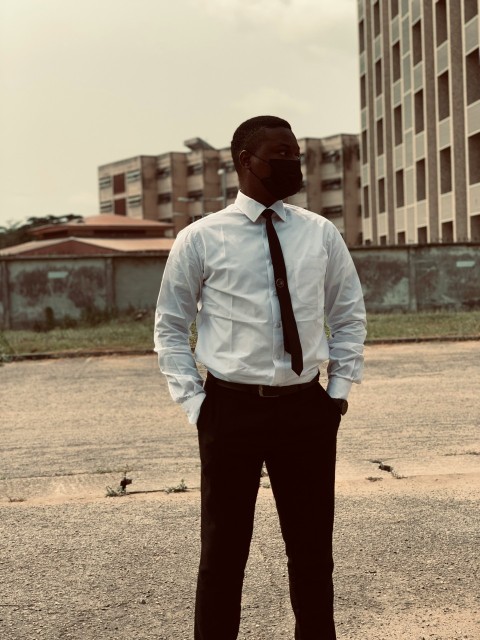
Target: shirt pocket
(309, 277)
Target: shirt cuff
(339, 387)
(192, 407)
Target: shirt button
(277, 325)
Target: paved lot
(76, 564)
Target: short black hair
(250, 134)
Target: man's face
(279, 144)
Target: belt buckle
(263, 395)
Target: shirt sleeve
(176, 310)
(346, 319)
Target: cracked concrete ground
(78, 565)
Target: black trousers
(296, 437)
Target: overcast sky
(87, 82)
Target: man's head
(267, 159)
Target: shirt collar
(253, 209)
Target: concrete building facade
(180, 187)
(420, 120)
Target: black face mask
(285, 177)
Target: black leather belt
(261, 389)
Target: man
(259, 277)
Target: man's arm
(176, 310)
(346, 318)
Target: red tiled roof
(112, 220)
(104, 222)
(89, 246)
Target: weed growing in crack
(115, 493)
(180, 488)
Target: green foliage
(180, 488)
(115, 493)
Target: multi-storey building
(180, 187)
(129, 187)
(420, 115)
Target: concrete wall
(37, 292)
(40, 292)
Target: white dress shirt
(220, 273)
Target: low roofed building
(96, 235)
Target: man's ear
(244, 158)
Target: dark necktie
(291, 338)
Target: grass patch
(113, 334)
(433, 324)
(126, 333)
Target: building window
(364, 147)
(378, 78)
(443, 96)
(445, 170)
(133, 176)
(421, 180)
(196, 196)
(471, 9)
(381, 195)
(376, 18)
(380, 137)
(417, 42)
(333, 212)
(441, 21)
(105, 182)
(422, 235)
(361, 36)
(383, 240)
(135, 201)
(163, 172)
(419, 113)
(475, 228)
(331, 156)
(229, 167)
(120, 207)
(473, 76)
(394, 8)
(399, 183)
(363, 92)
(447, 232)
(164, 198)
(366, 203)
(401, 239)
(119, 183)
(194, 169)
(474, 158)
(397, 117)
(396, 62)
(332, 184)
(106, 207)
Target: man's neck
(259, 195)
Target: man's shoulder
(310, 217)
(206, 222)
